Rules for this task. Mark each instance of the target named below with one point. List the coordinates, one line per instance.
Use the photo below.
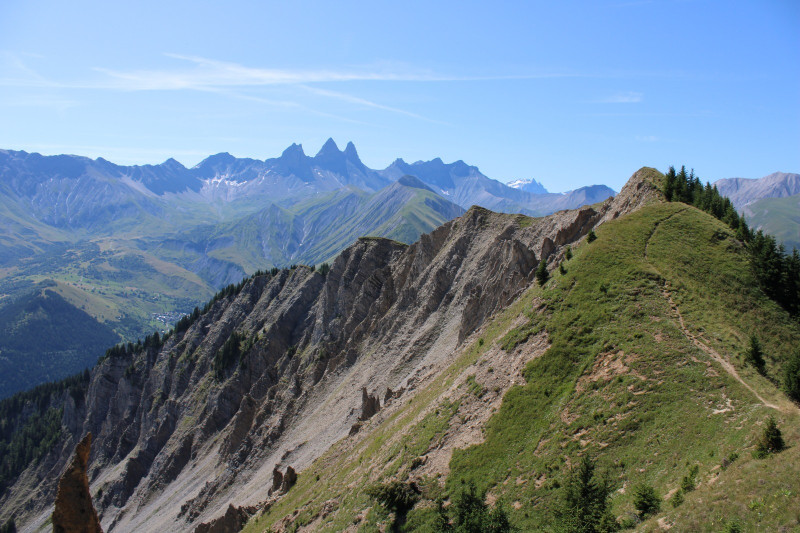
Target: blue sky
(567, 93)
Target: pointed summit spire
(294, 150)
(350, 151)
(351, 154)
(328, 149)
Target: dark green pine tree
(646, 501)
(669, 184)
(584, 506)
(771, 440)
(755, 355)
(542, 275)
(470, 514)
(791, 376)
(681, 190)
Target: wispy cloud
(15, 72)
(364, 102)
(33, 100)
(209, 73)
(284, 104)
(203, 73)
(234, 80)
(629, 97)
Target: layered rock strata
(181, 431)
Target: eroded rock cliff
(183, 427)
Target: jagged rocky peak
(330, 155)
(350, 151)
(528, 185)
(642, 188)
(73, 506)
(222, 158)
(294, 151)
(173, 163)
(328, 149)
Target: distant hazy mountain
(62, 199)
(528, 185)
(314, 230)
(467, 186)
(132, 247)
(777, 216)
(743, 191)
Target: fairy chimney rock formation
(289, 479)
(369, 405)
(74, 511)
(277, 480)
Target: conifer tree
(645, 500)
(755, 355)
(771, 440)
(791, 376)
(541, 273)
(585, 507)
(669, 184)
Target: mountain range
(487, 362)
(134, 247)
(771, 203)
(744, 191)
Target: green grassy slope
(779, 217)
(118, 292)
(43, 337)
(624, 381)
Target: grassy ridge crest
(623, 382)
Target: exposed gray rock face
(176, 440)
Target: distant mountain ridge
(40, 182)
(771, 203)
(529, 185)
(131, 245)
(744, 191)
(777, 216)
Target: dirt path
(715, 355)
(697, 340)
(649, 237)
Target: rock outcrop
(74, 512)
(370, 405)
(232, 521)
(289, 479)
(277, 480)
(180, 432)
